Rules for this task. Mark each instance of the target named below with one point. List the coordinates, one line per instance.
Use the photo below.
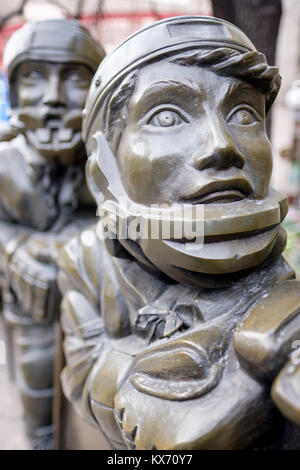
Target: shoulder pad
(264, 339)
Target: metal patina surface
(182, 342)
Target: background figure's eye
(166, 118)
(75, 76)
(242, 117)
(78, 77)
(32, 75)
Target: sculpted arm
(82, 324)
(11, 236)
(29, 266)
(99, 348)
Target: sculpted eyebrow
(234, 87)
(165, 86)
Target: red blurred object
(110, 28)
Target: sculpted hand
(33, 278)
(181, 394)
(150, 405)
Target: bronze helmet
(53, 40)
(160, 38)
(237, 57)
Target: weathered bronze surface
(174, 342)
(43, 199)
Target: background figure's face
(53, 85)
(50, 98)
(194, 136)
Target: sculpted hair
(251, 67)
(116, 109)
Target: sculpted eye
(32, 75)
(243, 117)
(167, 118)
(77, 77)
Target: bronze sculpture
(174, 342)
(44, 198)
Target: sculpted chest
(199, 386)
(33, 193)
(204, 389)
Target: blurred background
(267, 22)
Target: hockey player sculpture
(43, 196)
(182, 340)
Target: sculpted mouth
(220, 191)
(59, 126)
(53, 123)
(221, 196)
(53, 117)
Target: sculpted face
(194, 136)
(58, 85)
(50, 99)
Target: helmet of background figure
(49, 65)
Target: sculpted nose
(219, 151)
(53, 95)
